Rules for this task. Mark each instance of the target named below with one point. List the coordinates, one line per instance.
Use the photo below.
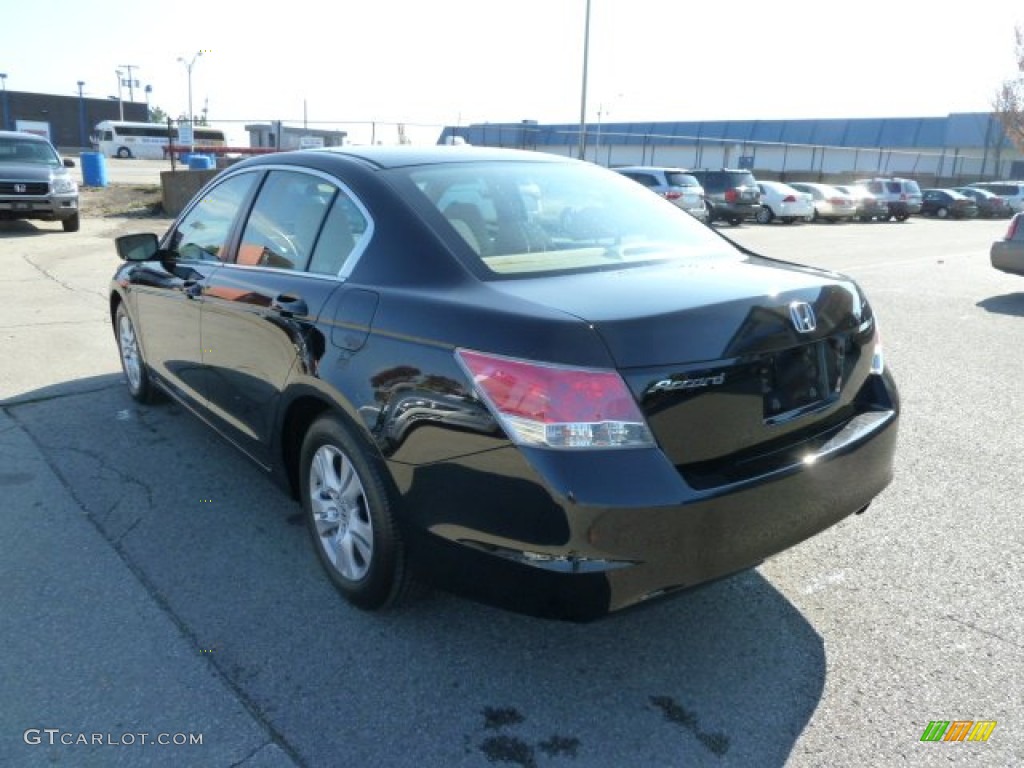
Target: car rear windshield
(907, 187)
(522, 219)
(741, 179)
(1002, 189)
(678, 179)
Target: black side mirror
(140, 247)
(69, 163)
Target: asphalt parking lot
(156, 583)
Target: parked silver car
(673, 184)
(1007, 255)
(35, 182)
(830, 204)
(903, 196)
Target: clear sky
(438, 62)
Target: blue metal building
(956, 147)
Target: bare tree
(1009, 100)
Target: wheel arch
(298, 415)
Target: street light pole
(3, 80)
(583, 95)
(188, 68)
(81, 115)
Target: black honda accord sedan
(511, 375)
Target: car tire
(815, 216)
(140, 385)
(350, 512)
(901, 217)
(941, 213)
(72, 223)
(710, 213)
(124, 153)
(764, 215)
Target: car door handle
(288, 305)
(193, 289)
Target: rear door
(259, 323)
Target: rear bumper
(578, 535)
(1008, 256)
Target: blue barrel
(94, 169)
(200, 162)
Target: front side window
(528, 218)
(203, 233)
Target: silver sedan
(1008, 254)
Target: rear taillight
(732, 195)
(553, 406)
(1011, 231)
(673, 195)
(789, 199)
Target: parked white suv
(1011, 191)
(903, 196)
(673, 184)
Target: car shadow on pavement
(727, 674)
(1007, 304)
(22, 228)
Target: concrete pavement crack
(164, 606)
(50, 276)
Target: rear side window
(285, 220)
(346, 228)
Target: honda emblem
(802, 315)
(20, 189)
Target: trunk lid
(727, 359)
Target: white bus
(117, 138)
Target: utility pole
(131, 82)
(120, 102)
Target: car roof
(376, 158)
(401, 156)
(24, 135)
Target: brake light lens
(1011, 231)
(732, 195)
(789, 199)
(673, 195)
(552, 406)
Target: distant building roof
(959, 130)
